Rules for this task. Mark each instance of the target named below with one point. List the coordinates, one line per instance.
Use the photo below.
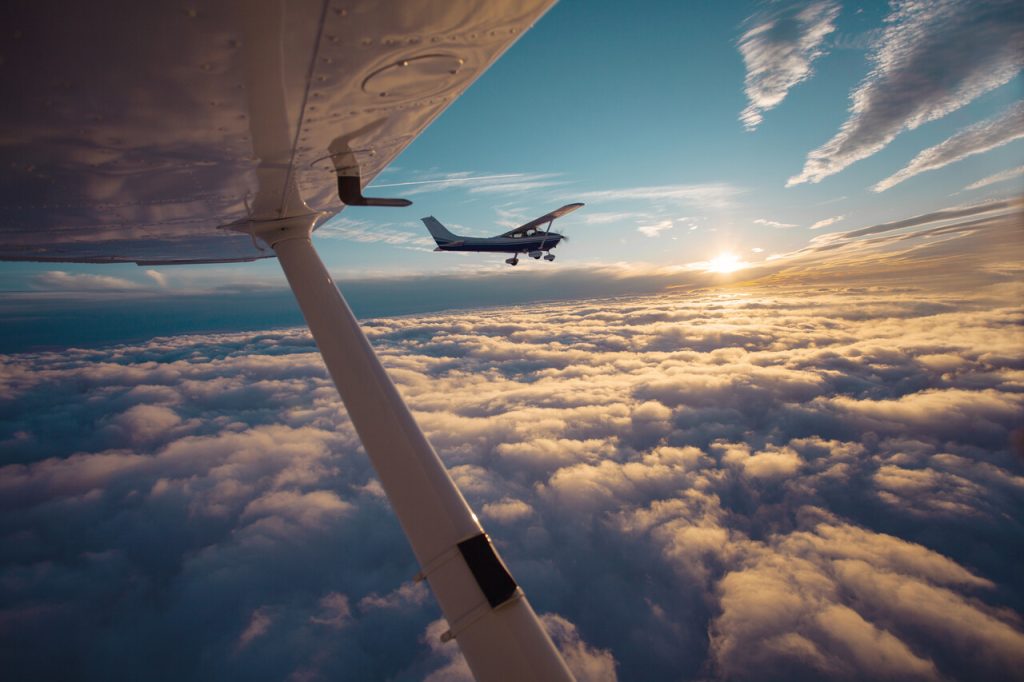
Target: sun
(724, 262)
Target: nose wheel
(514, 260)
(549, 257)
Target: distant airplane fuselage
(530, 238)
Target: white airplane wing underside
(137, 129)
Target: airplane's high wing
(167, 132)
(545, 219)
(133, 130)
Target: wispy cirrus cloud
(864, 40)
(340, 227)
(825, 222)
(510, 215)
(976, 139)
(772, 223)
(607, 217)
(778, 52)
(510, 183)
(524, 183)
(933, 58)
(964, 243)
(449, 180)
(1002, 176)
(706, 195)
(937, 217)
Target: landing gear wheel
(549, 257)
(512, 261)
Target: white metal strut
(488, 614)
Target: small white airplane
(528, 238)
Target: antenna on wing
(351, 193)
(350, 180)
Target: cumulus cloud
(778, 51)
(586, 663)
(507, 510)
(335, 611)
(259, 622)
(814, 481)
(932, 59)
(976, 139)
(406, 594)
(784, 608)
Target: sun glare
(725, 262)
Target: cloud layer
(933, 58)
(810, 482)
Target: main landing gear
(514, 260)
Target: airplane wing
(133, 131)
(544, 219)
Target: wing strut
(489, 616)
(550, 223)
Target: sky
(760, 419)
(739, 128)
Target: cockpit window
(517, 235)
(531, 232)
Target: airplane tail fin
(439, 232)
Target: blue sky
(638, 114)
